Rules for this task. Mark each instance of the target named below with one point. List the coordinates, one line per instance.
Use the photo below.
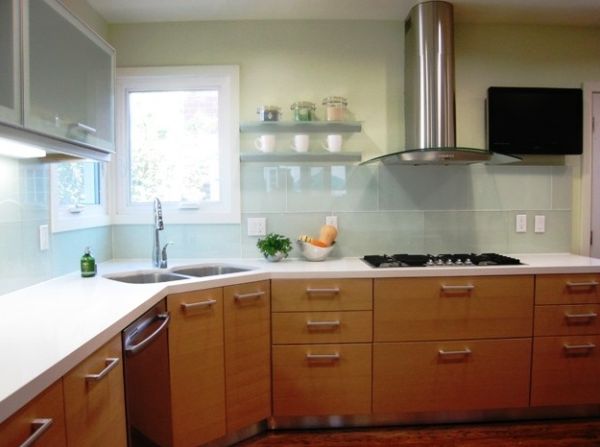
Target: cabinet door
(68, 77)
(247, 354)
(95, 399)
(567, 289)
(42, 420)
(10, 81)
(196, 362)
(566, 370)
(450, 376)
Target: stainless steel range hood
(429, 110)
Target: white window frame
(225, 79)
(70, 217)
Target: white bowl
(312, 252)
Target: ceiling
(555, 12)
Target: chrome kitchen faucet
(159, 259)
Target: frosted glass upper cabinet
(68, 77)
(10, 86)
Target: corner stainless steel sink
(209, 270)
(146, 277)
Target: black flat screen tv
(531, 120)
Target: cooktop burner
(406, 260)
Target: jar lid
(303, 105)
(339, 100)
(268, 109)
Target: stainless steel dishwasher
(147, 389)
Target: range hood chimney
(429, 110)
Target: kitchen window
(78, 195)
(177, 139)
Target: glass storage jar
(303, 110)
(335, 108)
(268, 113)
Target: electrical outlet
(331, 220)
(539, 225)
(257, 226)
(521, 223)
(44, 238)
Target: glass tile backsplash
(380, 209)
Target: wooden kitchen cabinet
(196, 360)
(322, 334)
(94, 399)
(566, 361)
(451, 375)
(42, 419)
(411, 309)
(247, 353)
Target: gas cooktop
(449, 260)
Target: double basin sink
(176, 274)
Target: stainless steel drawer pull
(334, 356)
(322, 324)
(586, 316)
(86, 128)
(38, 428)
(198, 305)
(131, 350)
(447, 288)
(465, 351)
(110, 365)
(333, 290)
(584, 347)
(582, 284)
(248, 296)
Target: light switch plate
(44, 238)
(521, 223)
(331, 220)
(257, 226)
(539, 225)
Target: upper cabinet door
(68, 77)
(10, 82)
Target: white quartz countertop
(48, 328)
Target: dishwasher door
(147, 389)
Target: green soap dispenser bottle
(88, 264)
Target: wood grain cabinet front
(247, 354)
(196, 361)
(567, 289)
(95, 399)
(41, 423)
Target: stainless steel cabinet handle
(110, 364)
(448, 288)
(585, 316)
(582, 284)
(333, 290)
(583, 347)
(465, 351)
(86, 128)
(198, 305)
(38, 428)
(334, 356)
(134, 349)
(248, 296)
(322, 324)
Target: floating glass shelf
(300, 127)
(304, 157)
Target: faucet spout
(158, 226)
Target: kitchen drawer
(436, 376)
(321, 294)
(46, 410)
(579, 319)
(321, 386)
(566, 370)
(323, 327)
(95, 406)
(247, 319)
(456, 308)
(567, 289)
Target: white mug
(301, 143)
(265, 143)
(333, 144)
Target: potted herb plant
(274, 247)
